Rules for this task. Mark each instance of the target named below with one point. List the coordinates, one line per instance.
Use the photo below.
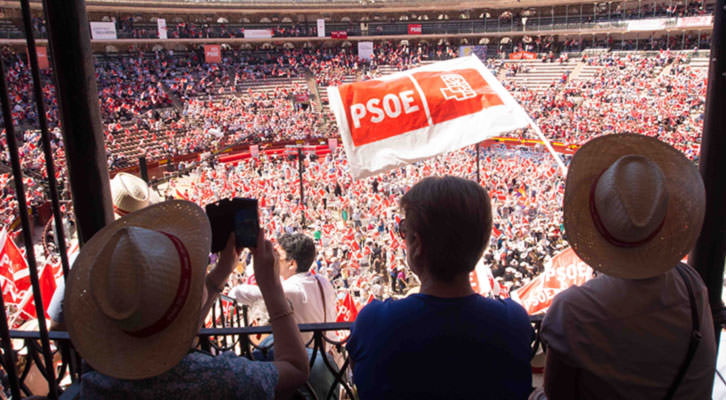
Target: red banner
(13, 269)
(409, 116)
(566, 270)
(212, 53)
(46, 280)
(523, 55)
(15, 280)
(42, 53)
(382, 109)
(414, 29)
(339, 34)
(346, 309)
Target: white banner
(258, 33)
(161, 27)
(321, 27)
(103, 30)
(704, 20)
(254, 150)
(653, 24)
(413, 115)
(365, 50)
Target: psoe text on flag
(416, 114)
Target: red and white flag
(416, 114)
(565, 270)
(482, 279)
(12, 268)
(346, 309)
(15, 280)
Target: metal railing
(535, 25)
(326, 351)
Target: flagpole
(478, 180)
(547, 144)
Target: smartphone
(238, 215)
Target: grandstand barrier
(322, 150)
(225, 333)
(319, 150)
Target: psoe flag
(413, 115)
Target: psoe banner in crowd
(212, 53)
(41, 54)
(103, 30)
(414, 29)
(416, 114)
(565, 270)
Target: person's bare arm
(291, 359)
(560, 378)
(217, 277)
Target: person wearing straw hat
(129, 193)
(135, 300)
(642, 329)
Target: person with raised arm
(135, 300)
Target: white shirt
(629, 337)
(303, 292)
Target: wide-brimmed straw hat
(633, 206)
(130, 193)
(133, 298)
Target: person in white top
(311, 296)
(642, 329)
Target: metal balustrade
(229, 335)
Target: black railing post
(143, 169)
(80, 116)
(708, 255)
(9, 354)
(45, 137)
(27, 239)
(300, 176)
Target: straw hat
(133, 298)
(130, 193)
(633, 206)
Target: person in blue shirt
(447, 342)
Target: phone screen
(236, 215)
(246, 226)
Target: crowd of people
(161, 105)
(633, 207)
(356, 223)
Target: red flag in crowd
(565, 270)
(346, 309)
(15, 277)
(47, 288)
(12, 265)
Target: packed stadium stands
(579, 69)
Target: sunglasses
(402, 228)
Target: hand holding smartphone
(238, 215)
